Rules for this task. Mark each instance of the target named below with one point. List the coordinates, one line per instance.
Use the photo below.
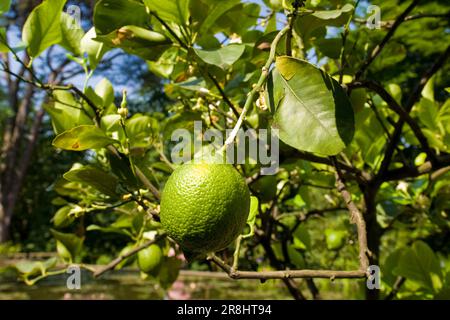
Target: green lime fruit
(150, 259)
(204, 207)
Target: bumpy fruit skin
(204, 207)
(150, 259)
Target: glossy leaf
(71, 34)
(224, 57)
(310, 109)
(3, 46)
(82, 138)
(105, 90)
(66, 113)
(306, 24)
(420, 264)
(94, 49)
(218, 8)
(68, 244)
(110, 15)
(42, 27)
(94, 177)
(144, 43)
(62, 219)
(4, 6)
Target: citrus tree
(360, 108)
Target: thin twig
(396, 287)
(258, 87)
(356, 217)
(285, 274)
(410, 103)
(122, 257)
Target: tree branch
(397, 285)
(356, 217)
(394, 106)
(377, 50)
(122, 257)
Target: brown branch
(285, 274)
(410, 103)
(395, 106)
(122, 257)
(442, 166)
(397, 285)
(223, 94)
(377, 50)
(356, 217)
(364, 176)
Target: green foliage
(223, 57)
(43, 27)
(82, 138)
(327, 125)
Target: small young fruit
(150, 259)
(335, 239)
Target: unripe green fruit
(150, 259)
(204, 207)
(334, 239)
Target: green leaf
(62, 219)
(82, 138)
(419, 263)
(428, 90)
(3, 46)
(175, 10)
(4, 6)
(105, 90)
(42, 27)
(223, 57)
(253, 212)
(329, 47)
(68, 244)
(110, 15)
(306, 24)
(144, 43)
(310, 109)
(94, 177)
(296, 257)
(71, 34)
(219, 8)
(66, 113)
(169, 271)
(141, 130)
(166, 63)
(94, 49)
(302, 238)
(94, 227)
(28, 267)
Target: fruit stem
(236, 253)
(257, 88)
